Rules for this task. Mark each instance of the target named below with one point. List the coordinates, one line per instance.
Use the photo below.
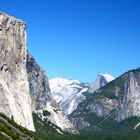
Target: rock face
(58, 118)
(24, 86)
(39, 86)
(42, 98)
(101, 80)
(14, 87)
(129, 105)
(115, 102)
(69, 93)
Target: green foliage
(109, 89)
(20, 128)
(7, 130)
(45, 128)
(110, 126)
(46, 113)
(90, 136)
(92, 118)
(3, 137)
(12, 118)
(120, 131)
(106, 130)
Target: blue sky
(79, 39)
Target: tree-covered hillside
(9, 130)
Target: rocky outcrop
(39, 86)
(42, 97)
(14, 87)
(70, 93)
(58, 118)
(129, 105)
(87, 113)
(24, 86)
(117, 101)
(101, 80)
(103, 107)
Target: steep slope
(39, 86)
(42, 98)
(10, 130)
(14, 87)
(24, 86)
(69, 93)
(112, 106)
(101, 80)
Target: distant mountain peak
(62, 82)
(108, 77)
(117, 104)
(101, 80)
(69, 93)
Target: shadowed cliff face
(14, 87)
(42, 97)
(39, 86)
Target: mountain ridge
(69, 93)
(118, 99)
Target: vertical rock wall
(14, 87)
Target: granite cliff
(24, 87)
(111, 107)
